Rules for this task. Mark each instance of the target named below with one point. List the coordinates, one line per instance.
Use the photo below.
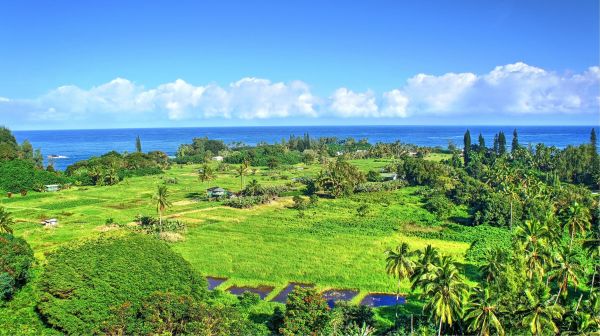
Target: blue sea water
(78, 145)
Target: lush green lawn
(329, 245)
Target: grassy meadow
(329, 245)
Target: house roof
(215, 189)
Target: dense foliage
(113, 167)
(83, 285)
(16, 258)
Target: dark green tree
(467, 147)
(138, 144)
(515, 143)
(501, 143)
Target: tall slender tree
(138, 144)
(515, 143)
(205, 173)
(242, 171)
(399, 265)
(577, 219)
(161, 197)
(501, 143)
(566, 270)
(481, 143)
(467, 147)
(444, 291)
(426, 263)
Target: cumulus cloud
(512, 89)
(349, 104)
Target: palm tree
(428, 258)
(444, 291)
(399, 266)
(566, 270)
(241, 171)
(205, 173)
(492, 268)
(577, 218)
(5, 221)
(532, 237)
(162, 201)
(481, 313)
(541, 313)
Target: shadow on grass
(466, 221)
(195, 195)
(470, 271)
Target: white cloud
(349, 104)
(512, 89)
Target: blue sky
(77, 64)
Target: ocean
(75, 145)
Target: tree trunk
(558, 295)
(578, 303)
(412, 325)
(571, 241)
(440, 330)
(397, 299)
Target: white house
(217, 158)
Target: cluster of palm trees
(520, 289)
(438, 277)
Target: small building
(216, 192)
(52, 187)
(389, 176)
(217, 158)
(52, 222)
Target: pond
(213, 282)
(262, 291)
(382, 299)
(282, 296)
(334, 295)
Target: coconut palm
(444, 291)
(566, 270)
(205, 173)
(241, 171)
(481, 313)
(532, 237)
(162, 201)
(495, 261)
(428, 258)
(399, 265)
(576, 218)
(5, 221)
(541, 313)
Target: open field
(329, 245)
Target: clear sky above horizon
(76, 64)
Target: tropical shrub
(16, 258)
(306, 313)
(244, 202)
(83, 285)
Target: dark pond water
(214, 282)
(262, 291)
(334, 295)
(381, 299)
(282, 296)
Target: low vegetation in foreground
(498, 239)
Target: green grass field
(330, 245)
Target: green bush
(439, 205)
(245, 202)
(306, 313)
(83, 285)
(16, 258)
